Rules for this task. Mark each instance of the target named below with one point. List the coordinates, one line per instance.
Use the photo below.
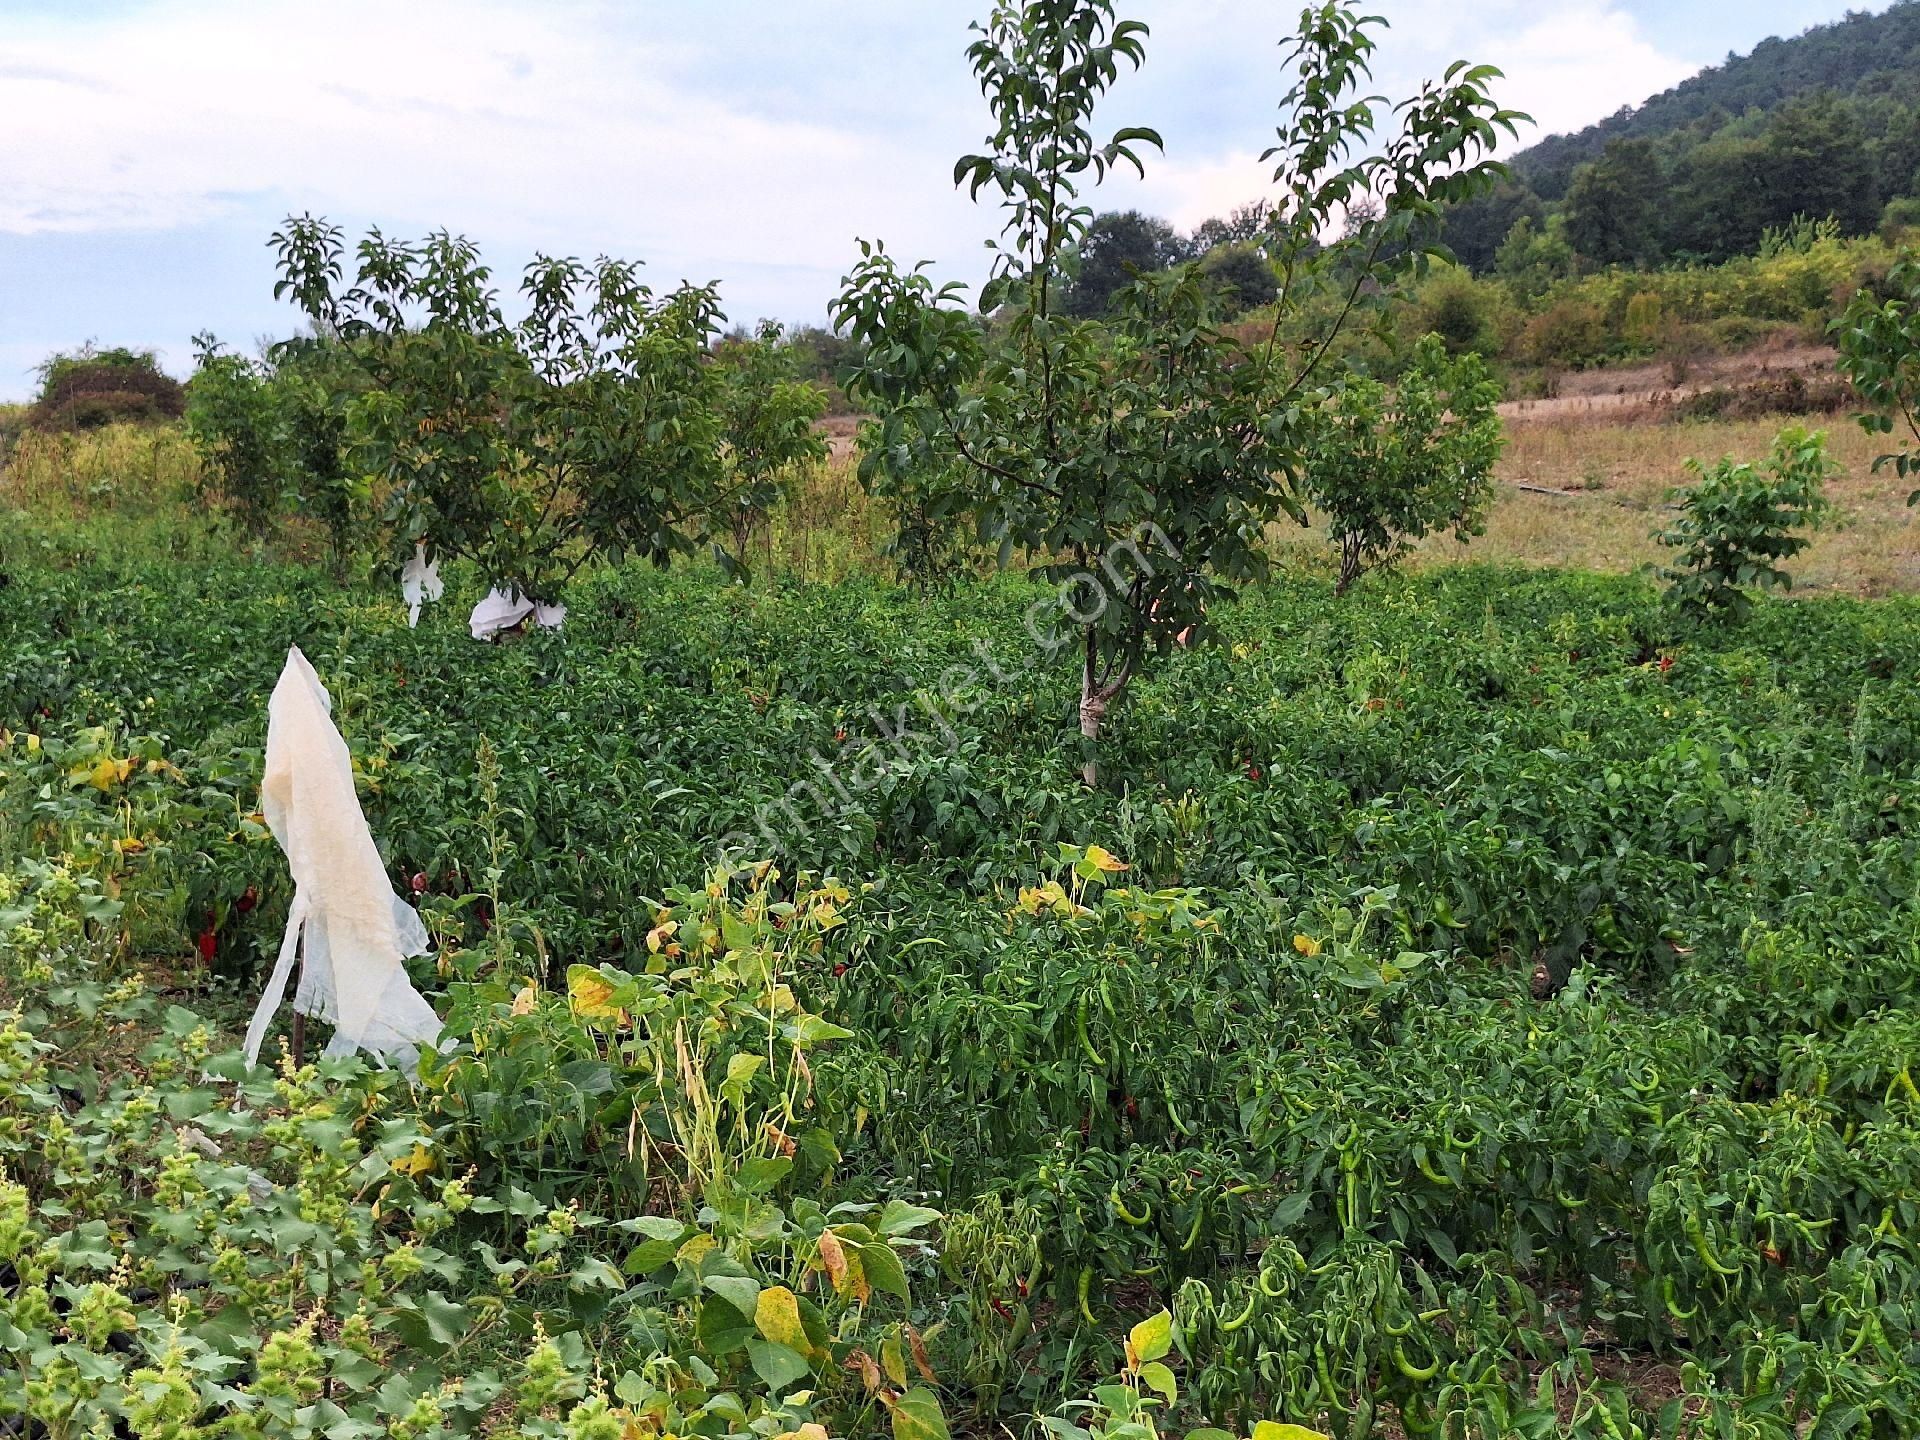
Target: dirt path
(1607, 393)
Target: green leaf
(757, 1177)
(648, 1256)
(737, 1290)
(899, 1218)
(780, 1366)
(721, 1329)
(446, 1321)
(917, 1416)
(1160, 1378)
(883, 1269)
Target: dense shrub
(1568, 333)
(90, 388)
(1390, 465)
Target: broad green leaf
(779, 1365)
(1160, 1378)
(738, 1291)
(883, 1269)
(899, 1218)
(917, 1416)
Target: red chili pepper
(1666, 664)
(840, 734)
(420, 882)
(206, 943)
(249, 898)
(1253, 772)
(839, 969)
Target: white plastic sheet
(502, 609)
(351, 931)
(420, 582)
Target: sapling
(1140, 459)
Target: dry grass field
(1606, 471)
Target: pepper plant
(1141, 460)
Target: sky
(148, 148)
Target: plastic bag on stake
(352, 931)
(502, 609)
(420, 582)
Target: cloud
(1579, 65)
(730, 141)
(521, 122)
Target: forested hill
(1825, 123)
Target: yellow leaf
(833, 1259)
(777, 1317)
(591, 993)
(661, 933)
(524, 1000)
(1274, 1430)
(1104, 859)
(1306, 945)
(695, 1250)
(418, 1163)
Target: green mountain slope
(1825, 123)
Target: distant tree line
(1123, 245)
(1823, 126)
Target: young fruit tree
(1391, 464)
(592, 426)
(767, 417)
(1741, 521)
(1141, 457)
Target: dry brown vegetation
(1609, 470)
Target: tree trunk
(1349, 566)
(1093, 707)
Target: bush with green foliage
(1739, 522)
(272, 438)
(767, 417)
(593, 426)
(238, 422)
(1879, 337)
(1240, 277)
(1390, 465)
